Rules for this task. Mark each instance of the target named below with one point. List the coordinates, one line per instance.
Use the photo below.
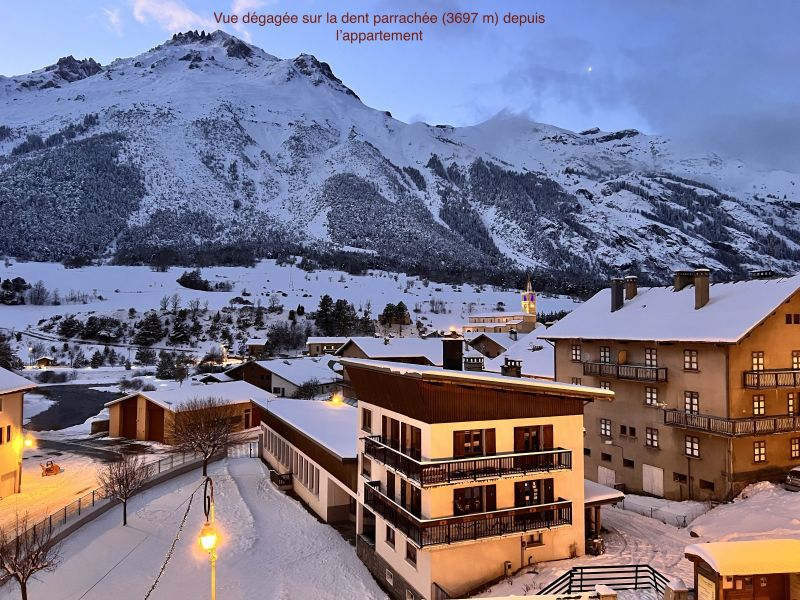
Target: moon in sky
(589, 70)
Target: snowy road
(270, 547)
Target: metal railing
(732, 427)
(99, 497)
(772, 378)
(617, 577)
(453, 470)
(631, 372)
(460, 528)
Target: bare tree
(205, 426)
(25, 551)
(122, 478)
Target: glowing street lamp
(208, 534)
(20, 444)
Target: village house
(285, 376)
(506, 322)
(706, 379)
(150, 415)
(491, 345)
(317, 345)
(465, 476)
(255, 347)
(12, 397)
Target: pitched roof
(753, 557)
(11, 382)
(661, 314)
(319, 339)
(537, 355)
(234, 392)
(501, 339)
(299, 370)
(333, 425)
(439, 374)
(256, 342)
(378, 348)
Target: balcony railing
(448, 530)
(630, 372)
(773, 378)
(446, 471)
(732, 427)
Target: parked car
(792, 482)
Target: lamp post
(208, 534)
(20, 443)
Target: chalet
(255, 346)
(149, 415)
(44, 362)
(490, 345)
(12, 395)
(283, 377)
(706, 378)
(317, 346)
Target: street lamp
(208, 534)
(21, 442)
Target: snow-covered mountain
(207, 149)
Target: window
(576, 381)
(760, 452)
(650, 357)
(627, 463)
(366, 420)
(651, 396)
(794, 448)
(692, 446)
(788, 318)
(757, 360)
(706, 485)
(366, 467)
(390, 536)
(791, 407)
(605, 427)
(528, 493)
(651, 437)
(534, 539)
(576, 352)
(758, 405)
(679, 478)
(795, 363)
(468, 443)
(605, 457)
(690, 360)
(793, 318)
(623, 430)
(605, 354)
(632, 431)
(691, 402)
(389, 577)
(605, 385)
(587, 452)
(411, 553)
(474, 499)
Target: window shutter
(549, 494)
(547, 437)
(491, 498)
(458, 443)
(489, 446)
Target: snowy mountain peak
(320, 72)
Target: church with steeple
(507, 322)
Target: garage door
(652, 480)
(606, 476)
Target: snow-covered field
(270, 547)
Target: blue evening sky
(721, 75)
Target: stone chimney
(511, 367)
(453, 353)
(630, 287)
(616, 294)
(682, 279)
(512, 333)
(701, 287)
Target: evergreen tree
(180, 332)
(166, 365)
(97, 360)
(388, 315)
(145, 356)
(324, 316)
(150, 330)
(8, 360)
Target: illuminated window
(690, 360)
(605, 354)
(691, 402)
(576, 352)
(758, 360)
(651, 437)
(759, 452)
(758, 405)
(692, 446)
(605, 427)
(651, 396)
(650, 357)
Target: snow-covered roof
(298, 371)
(753, 557)
(438, 373)
(495, 315)
(492, 323)
(377, 348)
(537, 355)
(596, 493)
(317, 339)
(256, 342)
(331, 424)
(219, 377)
(501, 339)
(661, 314)
(234, 392)
(11, 382)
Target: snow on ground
(671, 512)
(270, 547)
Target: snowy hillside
(208, 150)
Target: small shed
(45, 361)
(596, 495)
(767, 569)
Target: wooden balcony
(732, 427)
(462, 528)
(628, 372)
(772, 378)
(454, 470)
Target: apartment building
(465, 476)
(12, 393)
(706, 381)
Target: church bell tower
(529, 299)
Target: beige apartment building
(12, 393)
(465, 476)
(706, 381)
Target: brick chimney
(616, 294)
(453, 353)
(511, 368)
(682, 279)
(701, 287)
(630, 287)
